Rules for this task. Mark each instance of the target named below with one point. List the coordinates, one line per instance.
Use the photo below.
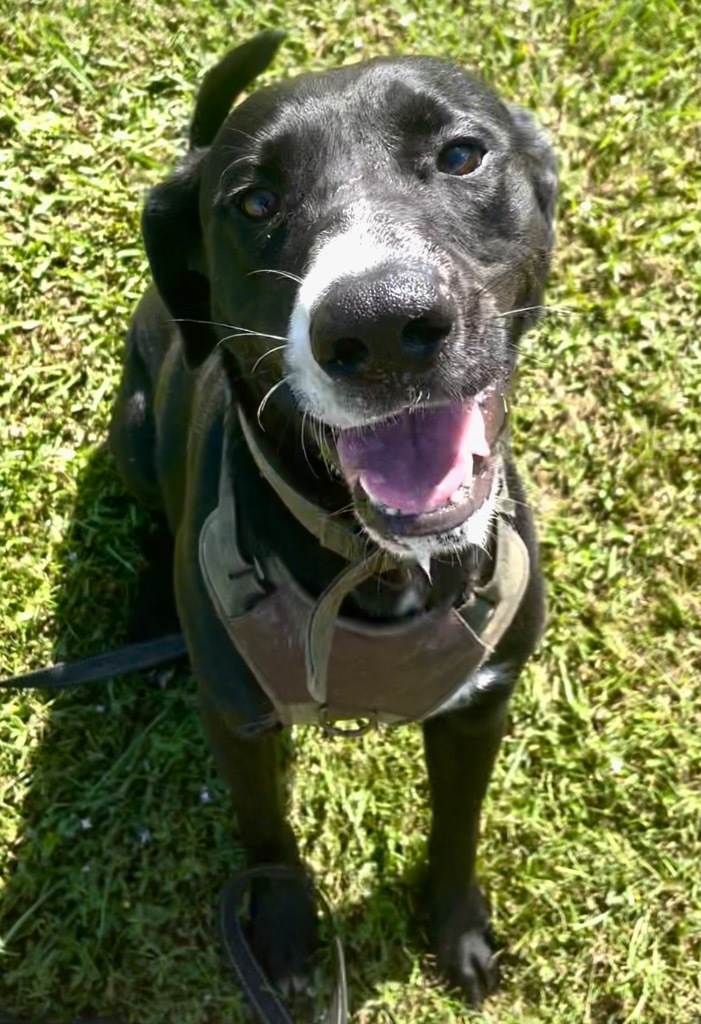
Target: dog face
(376, 237)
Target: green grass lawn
(113, 828)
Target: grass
(113, 828)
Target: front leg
(461, 747)
(282, 916)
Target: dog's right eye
(259, 204)
(461, 158)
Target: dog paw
(462, 943)
(283, 932)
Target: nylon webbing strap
(263, 998)
(320, 523)
(119, 662)
(317, 643)
(507, 586)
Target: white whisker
(247, 331)
(240, 131)
(561, 310)
(278, 348)
(240, 160)
(515, 501)
(304, 447)
(247, 334)
(525, 355)
(264, 401)
(281, 273)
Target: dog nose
(391, 321)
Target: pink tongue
(415, 462)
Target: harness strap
(229, 577)
(508, 584)
(329, 531)
(236, 586)
(317, 642)
(490, 609)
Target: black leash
(98, 667)
(262, 997)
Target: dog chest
(382, 672)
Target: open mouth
(426, 470)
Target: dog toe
(471, 967)
(464, 949)
(283, 932)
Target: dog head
(369, 243)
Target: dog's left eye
(460, 158)
(259, 204)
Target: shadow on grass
(110, 909)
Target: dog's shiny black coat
(319, 145)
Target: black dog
(314, 393)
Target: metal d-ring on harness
(348, 732)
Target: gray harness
(317, 666)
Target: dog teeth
(456, 496)
(424, 561)
(390, 511)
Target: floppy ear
(541, 157)
(170, 226)
(170, 223)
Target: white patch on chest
(478, 681)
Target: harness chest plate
(387, 673)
